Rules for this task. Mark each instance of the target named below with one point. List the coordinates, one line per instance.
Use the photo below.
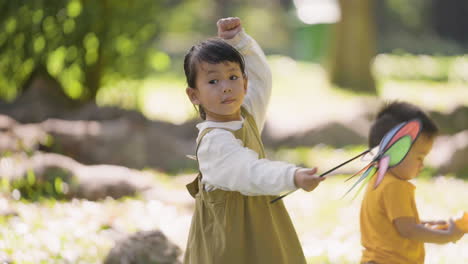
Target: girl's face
(413, 163)
(220, 89)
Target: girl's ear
(192, 95)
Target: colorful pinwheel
(393, 148)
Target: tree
(82, 43)
(354, 47)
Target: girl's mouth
(228, 101)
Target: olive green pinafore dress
(228, 227)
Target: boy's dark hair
(211, 51)
(395, 113)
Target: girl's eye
(234, 77)
(213, 82)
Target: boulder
(449, 154)
(453, 122)
(144, 247)
(336, 134)
(80, 181)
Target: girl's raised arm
(258, 74)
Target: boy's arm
(258, 75)
(410, 229)
(399, 204)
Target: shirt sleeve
(398, 199)
(226, 164)
(258, 74)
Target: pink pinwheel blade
(383, 166)
(411, 128)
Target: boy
(391, 231)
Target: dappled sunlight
(303, 98)
(64, 230)
(95, 123)
(442, 97)
(166, 100)
(327, 224)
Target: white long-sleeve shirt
(224, 162)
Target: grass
(329, 226)
(81, 231)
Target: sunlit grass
(437, 96)
(82, 231)
(329, 226)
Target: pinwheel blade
(398, 150)
(390, 134)
(360, 171)
(383, 166)
(411, 128)
(369, 173)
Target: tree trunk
(353, 47)
(93, 78)
(93, 73)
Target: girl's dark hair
(395, 113)
(211, 51)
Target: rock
(16, 137)
(144, 247)
(7, 213)
(81, 181)
(101, 181)
(4, 259)
(452, 123)
(131, 143)
(334, 134)
(449, 154)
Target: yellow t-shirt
(392, 199)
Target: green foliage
(79, 42)
(54, 184)
(413, 14)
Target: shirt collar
(232, 125)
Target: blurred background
(95, 123)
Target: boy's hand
(306, 179)
(454, 232)
(228, 27)
(440, 225)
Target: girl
(234, 221)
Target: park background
(95, 123)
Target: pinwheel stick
(323, 174)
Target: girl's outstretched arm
(226, 164)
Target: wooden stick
(323, 174)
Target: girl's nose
(227, 90)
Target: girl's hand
(306, 179)
(228, 27)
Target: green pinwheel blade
(365, 182)
(368, 173)
(398, 151)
